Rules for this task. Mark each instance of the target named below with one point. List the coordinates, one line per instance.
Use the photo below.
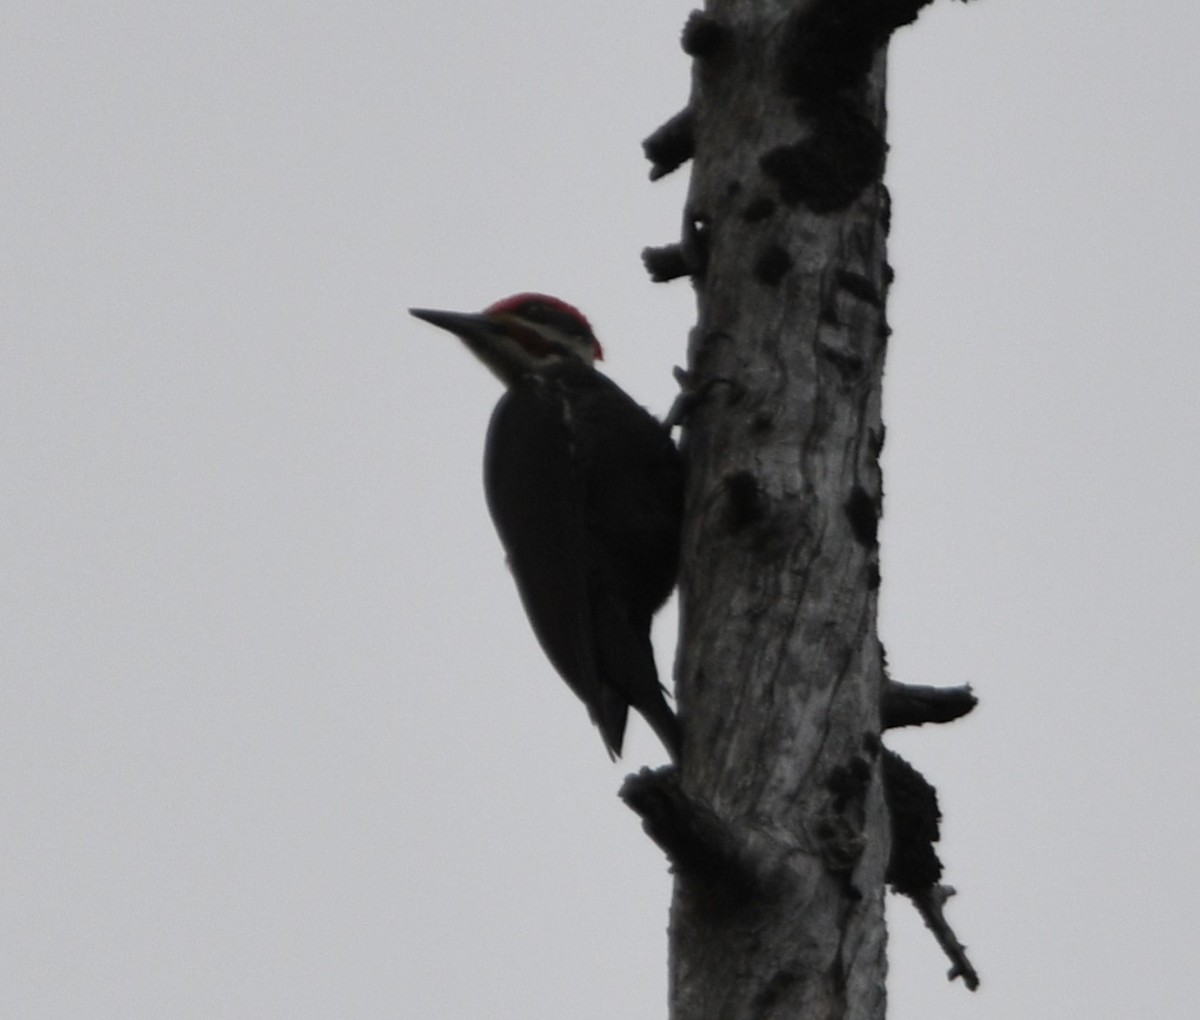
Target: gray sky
(275, 738)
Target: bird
(585, 488)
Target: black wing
(567, 490)
(535, 497)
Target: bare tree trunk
(778, 828)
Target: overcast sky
(275, 738)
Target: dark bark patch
(848, 783)
(703, 36)
(772, 265)
(826, 46)
(894, 14)
(745, 502)
(840, 846)
(912, 802)
(830, 168)
(829, 45)
(863, 513)
(759, 209)
(762, 424)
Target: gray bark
(777, 825)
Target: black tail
(626, 670)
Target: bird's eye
(534, 311)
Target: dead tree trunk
(777, 826)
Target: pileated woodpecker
(586, 491)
